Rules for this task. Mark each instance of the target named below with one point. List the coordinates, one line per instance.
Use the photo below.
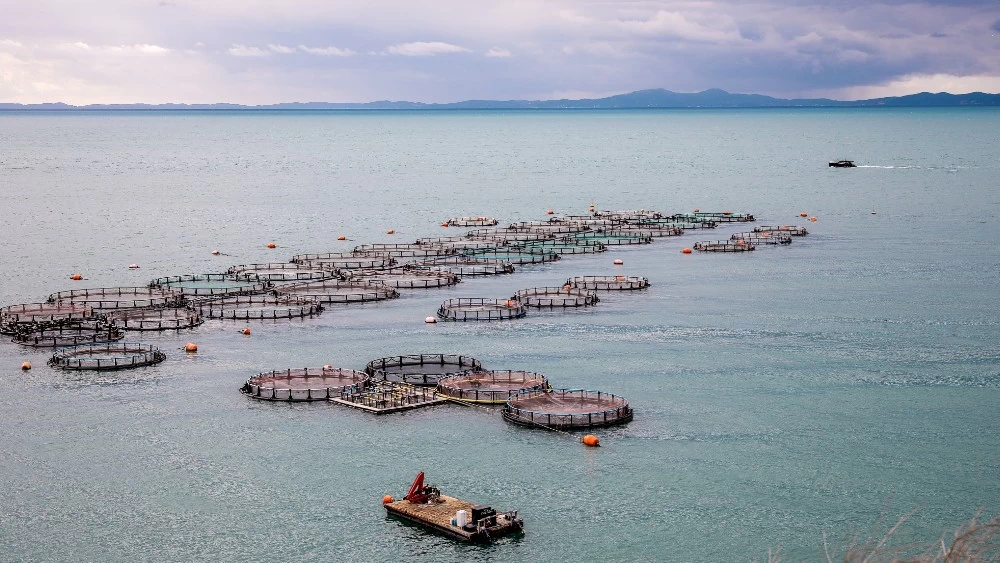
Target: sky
(259, 52)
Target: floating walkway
(384, 397)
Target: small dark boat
(842, 164)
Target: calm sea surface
(790, 392)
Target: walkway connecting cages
(304, 384)
(335, 291)
(264, 307)
(481, 309)
(567, 409)
(211, 285)
(284, 272)
(106, 356)
(491, 387)
(552, 297)
(420, 369)
(120, 297)
(608, 283)
(157, 318)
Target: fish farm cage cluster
(399, 383)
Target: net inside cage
(258, 307)
(514, 255)
(420, 369)
(159, 318)
(302, 384)
(406, 277)
(608, 283)
(13, 316)
(546, 227)
(469, 266)
(507, 234)
(211, 285)
(481, 309)
(106, 356)
(334, 291)
(120, 297)
(66, 333)
(414, 250)
(567, 409)
(564, 246)
(284, 272)
(495, 386)
(553, 297)
(614, 238)
(344, 260)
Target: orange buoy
(341, 237)
(619, 278)
(686, 251)
(387, 499)
(190, 347)
(567, 287)
(390, 232)
(741, 242)
(272, 245)
(550, 212)
(26, 366)
(764, 235)
(510, 303)
(76, 277)
(246, 331)
(133, 266)
(444, 224)
(803, 214)
(430, 320)
(216, 253)
(591, 441)
(619, 262)
(727, 212)
(813, 218)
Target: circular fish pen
(413, 250)
(106, 356)
(564, 246)
(723, 246)
(553, 297)
(495, 386)
(420, 369)
(336, 291)
(472, 222)
(791, 230)
(258, 307)
(614, 238)
(343, 261)
(567, 409)
(211, 285)
(725, 217)
(283, 272)
(587, 220)
(629, 214)
(679, 224)
(67, 333)
(548, 227)
(763, 238)
(655, 231)
(608, 283)
(303, 384)
(461, 243)
(481, 309)
(120, 297)
(463, 266)
(407, 277)
(514, 255)
(13, 316)
(506, 234)
(157, 319)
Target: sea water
(827, 387)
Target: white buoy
(461, 518)
(430, 320)
(133, 266)
(619, 261)
(216, 253)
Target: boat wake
(887, 167)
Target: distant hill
(656, 98)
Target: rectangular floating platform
(438, 516)
(384, 397)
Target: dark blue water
(779, 395)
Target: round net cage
(120, 297)
(303, 384)
(413, 250)
(13, 316)
(420, 369)
(160, 318)
(495, 386)
(344, 261)
(107, 356)
(608, 283)
(283, 272)
(587, 220)
(567, 409)
(790, 229)
(206, 285)
(407, 277)
(467, 266)
(613, 238)
(629, 214)
(678, 224)
(472, 222)
(461, 243)
(506, 234)
(763, 238)
(516, 255)
(66, 333)
(724, 217)
(564, 246)
(655, 231)
(336, 291)
(723, 246)
(258, 307)
(548, 227)
(481, 309)
(565, 296)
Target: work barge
(459, 519)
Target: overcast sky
(256, 51)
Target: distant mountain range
(656, 98)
